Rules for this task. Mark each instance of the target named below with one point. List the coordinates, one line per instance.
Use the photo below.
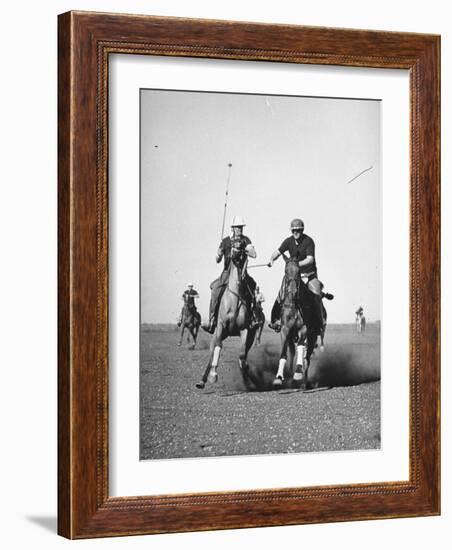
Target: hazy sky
(291, 157)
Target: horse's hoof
(200, 385)
(213, 377)
(322, 348)
(298, 376)
(278, 381)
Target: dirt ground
(341, 412)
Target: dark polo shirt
(189, 297)
(226, 245)
(300, 249)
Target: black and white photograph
(224, 236)
(260, 274)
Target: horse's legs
(322, 337)
(283, 357)
(243, 348)
(191, 332)
(310, 340)
(290, 356)
(214, 356)
(260, 328)
(301, 357)
(181, 333)
(215, 347)
(247, 336)
(195, 334)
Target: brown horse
(234, 319)
(295, 328)
(191, 320)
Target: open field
(178, 420)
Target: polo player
(302, 247)
(359, 314)
(231, 244)
(188, 297)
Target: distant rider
(188, 297)
(359, 313)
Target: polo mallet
(259, 265)
(226, 200)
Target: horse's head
(292, 277)
(238, 256)
(292, 270)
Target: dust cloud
(341, 364)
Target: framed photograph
(249, 289)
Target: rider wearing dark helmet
(237, 241)
(300, 246)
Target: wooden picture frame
(85, 42)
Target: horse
(295, 331)
(234, 319)
(260, 320)
(360, 323)
(191, 319)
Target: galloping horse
(234, 319)
(294, 328)
(191, 319)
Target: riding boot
(214, 300)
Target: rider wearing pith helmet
(237, 241)
(238, 221)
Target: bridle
(241, 271)
(288, 292)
